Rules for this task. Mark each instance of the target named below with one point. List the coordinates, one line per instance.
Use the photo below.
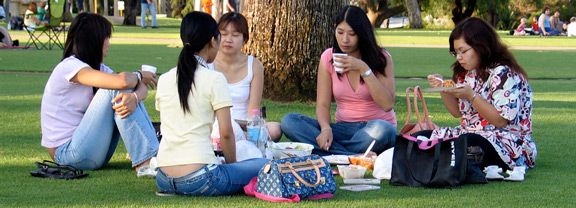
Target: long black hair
(487, 44)
(86, 37)
(370, 52)
(197, 30)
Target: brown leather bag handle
(316, 169)
(426, 119)
(408, 106)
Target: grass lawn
(550, 184)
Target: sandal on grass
(49, 169)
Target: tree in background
(131, 12)
(379, 10)
(413, 9)
(288, 37)
(460, 13)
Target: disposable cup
(149, 68)
(337, 65)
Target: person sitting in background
(535, 30)
(557, 23)
(544, 23)
(493, 104)
(520, 29)
(30, 17)
(571, 31)
(5, 40)
(41, 11)
(189, 98)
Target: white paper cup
(149, 68)
(337, 65)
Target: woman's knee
(274, 130)
(380, 129)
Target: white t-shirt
(186, 136)
(571, 29)
(64, 102)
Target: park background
(417, 52)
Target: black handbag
(429, 163)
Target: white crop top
(240, 92)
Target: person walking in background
(86, 107)
(363, 87)
(148, 5)
(493, 101)
(189, 98)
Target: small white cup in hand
(337, 65)
(149, 68)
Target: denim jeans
(212, 180)
(152, 8)
(348, 137)
(95, 139)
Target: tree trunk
(458, 14)
(414, 13)
(131, 11)
(289, 42)
(168, 8)
(377, 12)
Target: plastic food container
(290, 149)
(367, 162)
(351, 171)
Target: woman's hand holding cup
(149, 76)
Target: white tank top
(240, 92)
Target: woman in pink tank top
(359, 75)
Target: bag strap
(426, 118)
(434, 166)
(316, 169)
(408, 106)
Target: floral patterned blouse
(510, 93)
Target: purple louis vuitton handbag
(295, 178)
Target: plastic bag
(383, 165)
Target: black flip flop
(49, 169)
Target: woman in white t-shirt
(86, 107)
(189, 98)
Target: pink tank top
(353, 106)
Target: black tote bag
(440, 163)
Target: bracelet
(367, 73)
(136, 95)
(326, 129)
(473, 98)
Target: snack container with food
(351, 171)
(290, 149)
(367, 162)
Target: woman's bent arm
(227, 139)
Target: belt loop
(172, 184)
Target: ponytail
(196, 31)
(185, 75)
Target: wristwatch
(138, 74)
(367, 73)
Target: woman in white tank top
(244, 73)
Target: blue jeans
(152, 8)
(96, 138)
(212, 180)
(348, 137)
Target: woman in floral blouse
(492, 98)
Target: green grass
(23, 74)
(116, 184)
